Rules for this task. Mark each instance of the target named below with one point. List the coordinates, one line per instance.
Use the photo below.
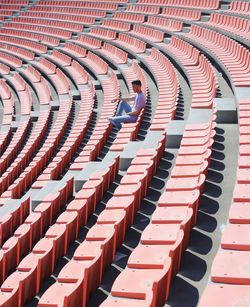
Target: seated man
(133, 112)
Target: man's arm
(124, 99)
(137, 112)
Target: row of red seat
(5, 137)
(57, 24)
(181, 13)
(116, 25)
(9, 186)
(83, 274)
(7, 99)
(43, 29)
(99, 136)
(234, 57)
(4, 69)
(155, 261)
(202, 4)
(168, 88)
(10, 60)
(68, 11)
(62, 158)
(30, 36)
(88, 20)
(14, 146)
(15, 2)
(32, 46)
(165, 23)
(16, 252)
(234, 25)
(196, 65)
(229, 272)
(17, 51)
(75, 4)
(144, 9)
(25, 282)
(240, 7)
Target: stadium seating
(81, 200)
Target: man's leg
(123, 106)
(118, 120)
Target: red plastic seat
(53, 295)
(90, 196)
(106, 235)
(218, 295)
(115, 217)
(123, 202)
(231, 267)
(92, 250)
(241, 193)
(25, 281)
(160, 234)
(185, 183)
(46, 215)
(57, 233)
(70, 220)
(135, 178)
(239, 213)
(5, 227)
(236, 236)
(35, 222)
(127, 302)
(243, 175)
(8, 257)
(79, 206)
(175, 215)
(130, 189)
(181, 198)
(139, 283)
(24, 240)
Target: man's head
(136, 84)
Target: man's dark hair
(136, 82)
